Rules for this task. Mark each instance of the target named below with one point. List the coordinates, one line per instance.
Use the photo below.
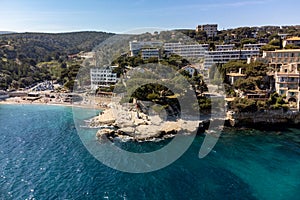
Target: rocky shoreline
(265, 118)
(133, 125)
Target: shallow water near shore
(42, 157)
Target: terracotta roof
(293, 38)
(236, 74)
(285, 50)
(293, 90)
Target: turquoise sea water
(42, 157)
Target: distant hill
(5, 32)
(20, 54)
(39, 46)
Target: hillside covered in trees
(28, 58)
(24, 56)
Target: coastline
(275, 120)
(66, 104)
(265, 119)
(97, 103)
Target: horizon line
(130, 30)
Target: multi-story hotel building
(278, 58)
(222, 57)
(210, 29)
(253, 46)
(187, 50)
(150, 53)
(224, 47)
(287, 82)
(102, 76)
(136, 46)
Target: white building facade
(253, 46)
(103, 77)
(224, 47)
(150, 53)
(187, 50)
(136, 46)
(222, 57)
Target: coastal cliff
(274, 117)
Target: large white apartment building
(150, 53)
(210, 29)
(187, 50)
(253, 46)
(224, 47)
(136, 46)
(102, 76)
(222, 57)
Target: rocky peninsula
(129, 124)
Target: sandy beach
(91, 102)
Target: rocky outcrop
(127, 124)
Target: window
(281, 92)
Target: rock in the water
(147, 131)
(105, 118)
(189, 126)
(169, 127)
(104, 134)
(127, 130)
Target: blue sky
(125, 15)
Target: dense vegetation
(169, 67)
(246, 35)
(274, 102)
(27, 58)
(256, 81)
